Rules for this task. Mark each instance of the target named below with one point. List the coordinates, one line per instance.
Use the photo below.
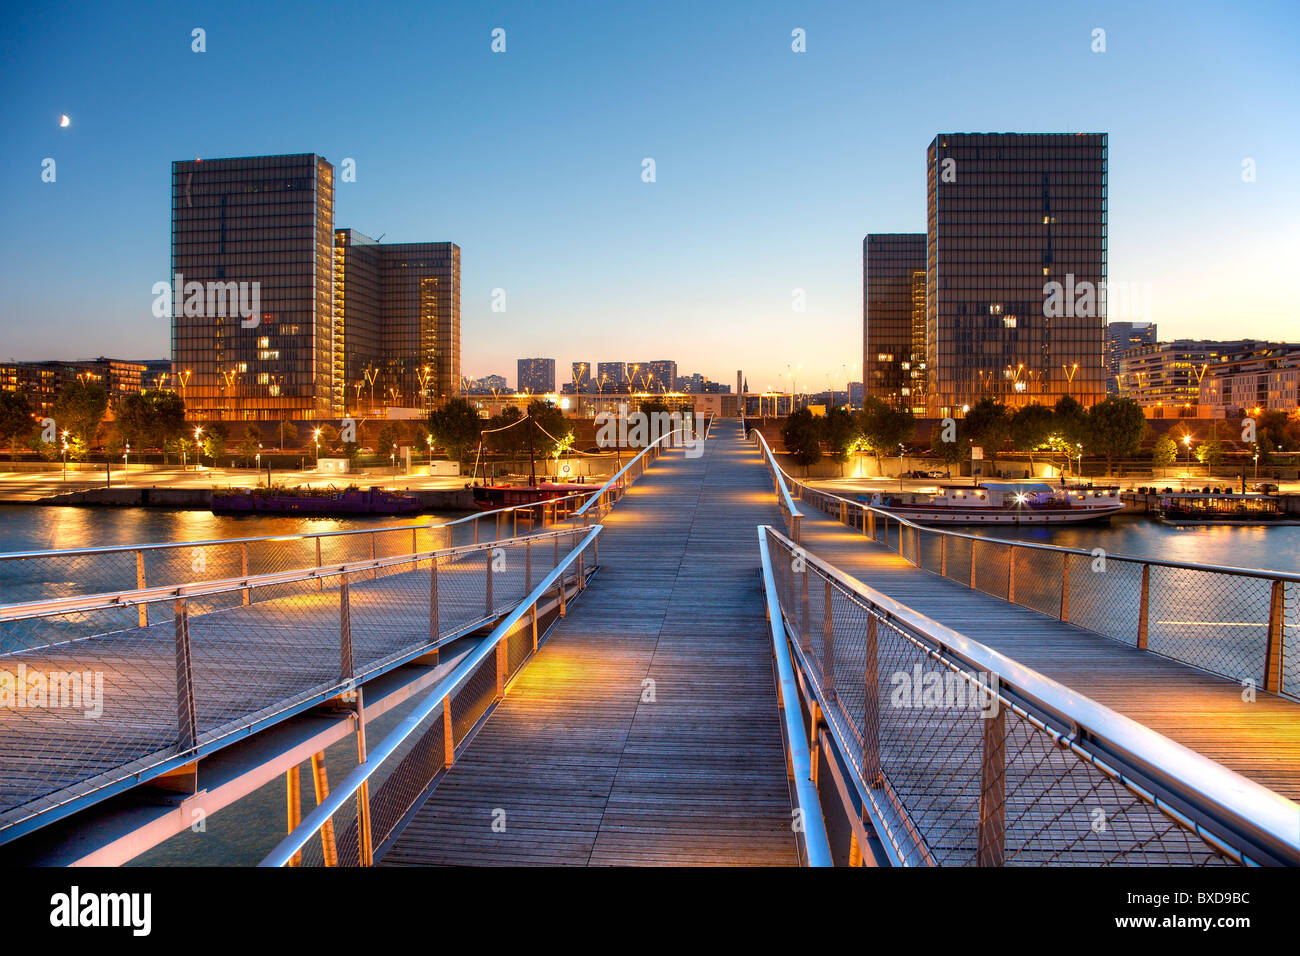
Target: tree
(251, 444)
(456, 427)
(884, 427)
(952, 452)
(548, 424)
(988, 424)
(388, 436)
(1164, 452)
(16, 421)
(1031, 427)
(801, 435)
(503, 434)
(841, 433)
(79, 409)
(1282, 430)
(1071, 420)
(215, 436)
(1210, 451)
(288, 433)
(1115, 428)
(151, 419)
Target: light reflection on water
(245, 832)
(1269, 548)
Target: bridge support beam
(321, 784)
(991, 847)
(293, 796)
(1273, 648)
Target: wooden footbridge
(635, 677)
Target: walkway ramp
(645, 731)
(1201, 711)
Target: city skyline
(705, 261)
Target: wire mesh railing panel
(930, 552)
(1037, 574)
(415, 765)
(1290, 639)
(955, 772)
(991, 559)
(473, 698)
(958, 559)
(23, 580)
(1105, 596)
(1218, 622)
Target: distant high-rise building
(1120, 337)
(487, 385)
(343, 322)
(893, 322)
(1169, 374)
(256, 230)
(581, 376)
(659, 375)
(396, 322)
(1016, 268)
(536, 376)
(611, 375)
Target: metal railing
(945, 752)
(789, 511)
(1238, 623)
(27, 576)
(165, 673)
(356, 820)
(101, 702)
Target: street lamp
(126, 458)
(429, 440)
(65, 458)
(1187, 443)
(316, 441)
(198, 448)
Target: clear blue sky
(771, 165)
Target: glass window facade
(892, 362)
(1007, 214)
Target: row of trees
(1113, 428)
(457, 428)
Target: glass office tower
(893, 357)
(268, 221)
(535, 376)
(1016, 268)
(421, 322)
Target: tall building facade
(611, 374)
(582, 376)
(893, 318)
(1015, 268)
(344, 324)
(1120, 337)
(254, 231)
(536, 376)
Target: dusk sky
(771, 165)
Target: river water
(244, 833)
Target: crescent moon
(64, 121)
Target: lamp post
(429, 441)
(198, 447)
(316, 442)
(126, 457)
(65, 458)
(1069, 376)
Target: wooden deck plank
(645, 731)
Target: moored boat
(1218, 508)
(491, 497)
(1001, 503)
(353, 501)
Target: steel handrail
(110, 600)
(348, 787)
(816, 845)
(1136, 559)
(779, 473)
(1267, 818)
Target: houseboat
(1001, 503)
(308, 501)
(1218, 508)
(492, 497)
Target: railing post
(435, 626)
(365, 838)
(186, 715)
(142, 610)
(871, 520)
(828, 646)
(321, 783)
(243, 569)
(534, 616)
(972, 564)
(320, 582)
(943, 554)
(991, 847)
(1273, 653)
(373, 573)
(345, 631)
(501, 669)
(528, 565)
(293, 797)
(448, 734)
(805, 640)
(1144, 606)
(871, 708)
(1011, 574)
(1065, 586)
(487, 587)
